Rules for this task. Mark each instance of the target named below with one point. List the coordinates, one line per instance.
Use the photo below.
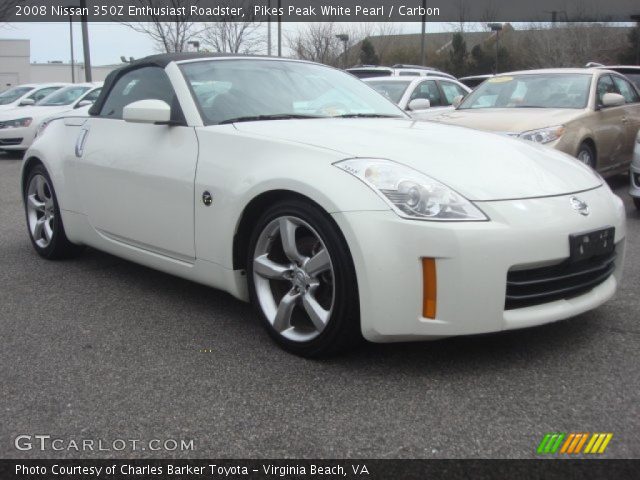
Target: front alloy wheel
(43, 217)
(293, 269)
(302, 280)
(40, 211)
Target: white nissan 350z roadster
(297, 187)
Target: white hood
(479, 165)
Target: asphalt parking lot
(100, 348)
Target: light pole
(344, 38)
(279, 29)
(195, 44)
(423, 37)
(73, 63)
(496, 27)
(85, 43)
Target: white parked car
(352, 221)
(27, 94)
(634, 170)
(19, 126)
(421, 97)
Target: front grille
(10, 141)
(564, 280)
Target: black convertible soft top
(161, 60)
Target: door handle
(625, 119)
(80, 141)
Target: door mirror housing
(419, 104)
(457, 101)
(612, 100)
(26, 102)
(147, 111)
(83, 103)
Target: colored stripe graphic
(598, 442)
(550, 443)
(573, 443)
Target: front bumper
(16, 138)
(472, 261)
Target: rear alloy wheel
(587, 155)
(43, 217)
(302, 280)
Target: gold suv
(590, 113)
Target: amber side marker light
(429, 287)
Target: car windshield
(64, 96)
(13, 94)
(552, 90)
(227, 90)
(393, 90)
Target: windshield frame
(474, 92)
(206, 122)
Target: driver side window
(605, 85)
(146, 83)
(428, 90)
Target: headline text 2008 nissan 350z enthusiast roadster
(301, 189)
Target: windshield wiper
(276, 116)
(366, 115)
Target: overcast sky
(50, 41)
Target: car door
(631, 118)
(608, 127)
(136, 179)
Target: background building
(16, 67)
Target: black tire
(587, 155)
(342, 331)
(59, 246)
(636, 202)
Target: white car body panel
(494, 173)
(135, 191)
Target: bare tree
(229, 35)
(170, 36)
(316, 42)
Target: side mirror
(83, 103)
(418, 104)
(147, 111)
(612, 100)
(457, 101)
(26, 102)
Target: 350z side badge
(207, 199)
(579, 205)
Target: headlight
(42, 127)
(543, 135)
(410, 193)
(19, 122)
